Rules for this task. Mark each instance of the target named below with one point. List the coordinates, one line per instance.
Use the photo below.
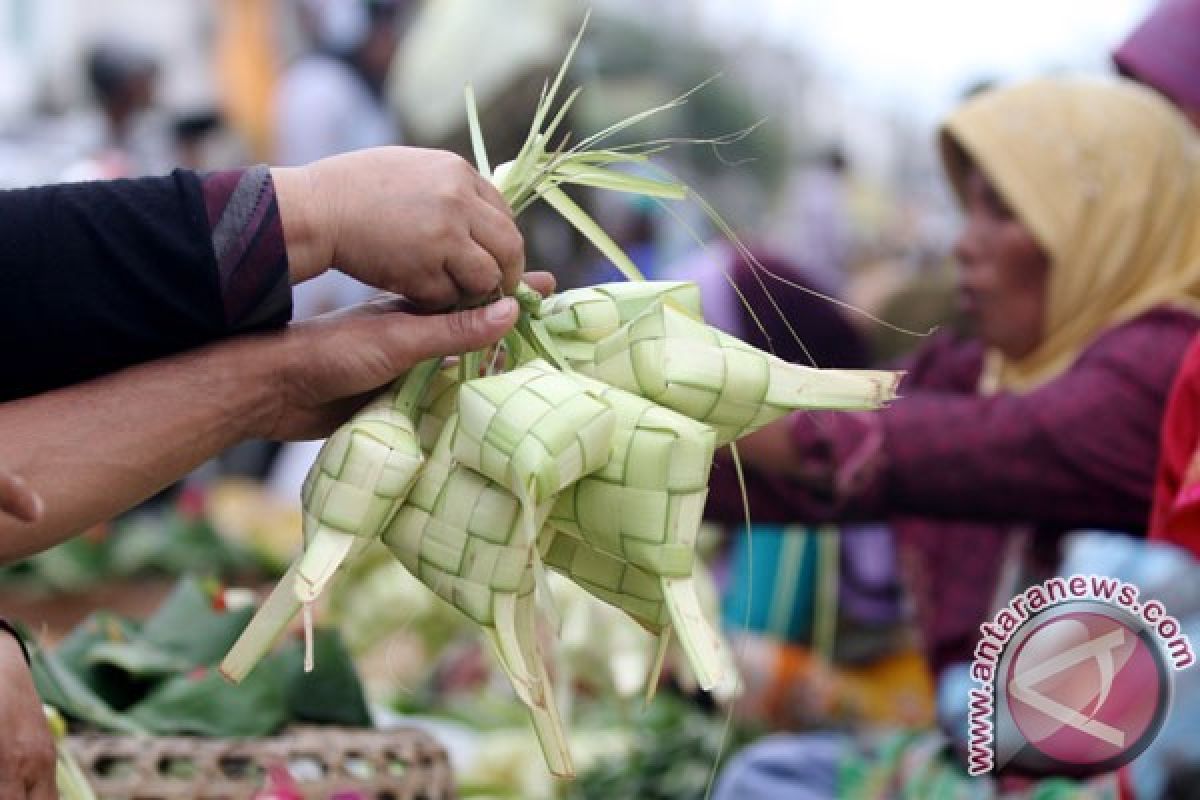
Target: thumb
(455, 332)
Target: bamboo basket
(401, 764)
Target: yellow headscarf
(1106, 177)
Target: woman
(1080, 267)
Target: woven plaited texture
(362, 469)
(403, 764)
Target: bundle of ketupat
(587, 452)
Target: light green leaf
(583, 223)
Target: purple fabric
(1164, 51)
(868, 587)
(956, 474)
(828, 339)
(248, 241)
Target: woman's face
(1002, 271)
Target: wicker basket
(402, 764)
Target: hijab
(1106, 177)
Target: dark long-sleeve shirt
(98, 276)
(957, 473)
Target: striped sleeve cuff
(247, 238)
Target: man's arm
(93, 450)
(99, 276)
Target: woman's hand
(27, 755)
(770, 450)
(420, 223)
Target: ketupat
(357, 482)
(644, 509)
(534, 430)
(683, 364)
(596, 312)
(463, 536)
(682, 387)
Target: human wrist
(306, 229)
(250, 367)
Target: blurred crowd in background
(129, 88)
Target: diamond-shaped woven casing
(363, 471)
(461, 534)
(645, 505)
(643, 510)
(534, 430)
(591, 313)
(616, 582)
(681, 363)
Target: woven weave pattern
(616, 582)
(695, 369)
(361, 472)
(533, 430)
(404, 764)
(438, 405)
(461, 535)
(592, 313)
(598, 469)
(644, 506)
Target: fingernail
(501, 310)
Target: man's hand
(157, 421)
(27, 755)
(332, 364)
(420, 223)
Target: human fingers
(18, 499)
(543, 283)
(475, 273)
(44, 787)
(491, 195)
(435, 291)
(496, 233)
(333, 358)
(415, 339)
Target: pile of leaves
(679, 746)
(159, 677)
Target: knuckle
(515, 247)
(481, 279)
(463, 170)
(441, 294)
(452, 207)
(457, 170)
